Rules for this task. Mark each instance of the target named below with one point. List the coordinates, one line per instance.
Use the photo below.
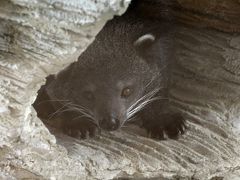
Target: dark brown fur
(110, 64)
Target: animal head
(109, 84)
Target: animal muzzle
(109, 124)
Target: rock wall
(41, 37)
(38, 38)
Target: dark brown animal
(123, 75)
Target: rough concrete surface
(41, 37)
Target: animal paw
(170, 124)
(82, 129)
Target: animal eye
(126, 92)
(88, 95)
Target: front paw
(80, 129)
(170, 124)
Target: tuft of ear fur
(144, 42)
(144, 45)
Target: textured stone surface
(222, 15)
(38, 38)
(41, 37)
(206, 89)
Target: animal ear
(143, 43)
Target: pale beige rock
(41, 37)
(38, 38)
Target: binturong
(123, 76)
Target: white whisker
(75, 108)
(57, 111)
(143, 102)
(82, 111)
(89, 119)
(52, 101)
(143, 98)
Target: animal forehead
(108, 77)
(101, 86)
(112, 65)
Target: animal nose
(109, 124)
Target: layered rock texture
(38, 38)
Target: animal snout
(109, 124)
